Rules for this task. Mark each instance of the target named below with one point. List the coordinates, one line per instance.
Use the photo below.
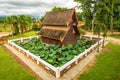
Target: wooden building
(60, 27)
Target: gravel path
(4, 34)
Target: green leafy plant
(54, 54)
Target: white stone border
(48, 66)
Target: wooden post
(58, 73)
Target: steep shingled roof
(56, 24)
(54, 34)
(58, 18)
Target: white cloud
(32, 7)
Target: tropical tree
(24, 22)
(13, 21)
(7, 21)
(18, 23)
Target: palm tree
(29, 21)
(13, 21)
(18, 23)
(7, 22)
(24, 22)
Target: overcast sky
(32, 7)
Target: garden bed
(53, 58)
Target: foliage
(3, 29)
(101, 22)
(107, 10)
(24, 22)
(42, 18)
(87, 11)
(116, 15)
(58, 8)
(82, 31)
(2, 18)
(80, 16)
(55, 55)
(36, 25)
(12, 20)
(106, 66)
(10, 69)
(18, 23)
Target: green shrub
(82, 31)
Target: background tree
(101, 23)
(58, 8)
(42, 18)
(13, 21)
(18, 23)
(80, 16)
(2, 18)
(24, 22)
(36, 25)
(87, 10)
(116, 15)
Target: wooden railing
(57, 70)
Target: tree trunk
(12, 29)
(21, 29)
(111, 21)
(98, 42)
(103, 42)
(111, 25)
(92, 25)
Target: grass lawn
(27, 34)
(11, 70)
(115, 36)
(107, 66)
